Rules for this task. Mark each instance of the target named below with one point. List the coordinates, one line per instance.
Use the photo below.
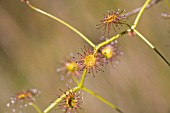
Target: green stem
(102, 99)
(110, 40)
(140, 14)
(144, 39)
(82, 78)
(75, 79)
(150, 45)
(168, 3)
(53, 104)
(61, 21)
(36, 107)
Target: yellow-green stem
(102, 99)
(168, 3)
(75, 79)
(35, 107)
(110, 40)
(53, 104)
(143, 38)
(82, 78)
(140, 14)
(150, 45)
(61, 21)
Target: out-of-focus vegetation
(32, 46)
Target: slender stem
(102, 99)
(53, 104)
(140, 13)
(152, 3)
(75, 79)
(168, 3)
(35, 106)
(144, 39)
(110, 40)
(150, 45)
(82, 78)
(61, 21)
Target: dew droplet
(70, 81)
(67, 85)
(26, 105)
(71, 54)
(117, 61)
(58, 70)
(102, 38)
(34, 91)
(64, 110)
(8, 104)
(121, 53)
(62, 77)
(12, 101)
(21, 106)
(20, 112)
(13, 110)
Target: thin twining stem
(61, 21)
(35, 107)
(102, 99)
(151, 45)
(140, 14)
(152, 3)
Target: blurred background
(32, 46)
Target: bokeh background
(32, 46)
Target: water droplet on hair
(121, 53)
(70, 81)
(62, 77)
(8, 104)
(13, 110)
(12, 101)
(58, 70)
(102, 38)
(117, 61)
(116, 41)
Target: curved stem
(102, 99)
(140, 14)
(36, 107)
(61, 21)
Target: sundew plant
(94, 58)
